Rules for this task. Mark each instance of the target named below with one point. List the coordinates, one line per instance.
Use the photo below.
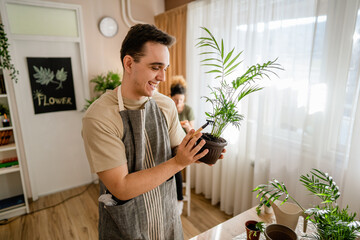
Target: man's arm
(125, 186)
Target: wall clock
(108, 27)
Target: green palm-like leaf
(227, 96)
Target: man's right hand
(187, 151)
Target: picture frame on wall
(52, 84)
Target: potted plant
(4, 110)
(253, 229)
(225, 97)
(5, 59)
(103, 82)
(330, 221)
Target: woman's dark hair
(140, 34)
(177, 89)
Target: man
(129, 136)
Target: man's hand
(187, 151)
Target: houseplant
(103, 82)
(254, 229)
(5, 59)
(4, 110)
(330, 221)
(225, 97)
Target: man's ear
(128, 63)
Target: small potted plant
(103, 82)
(330, 221)
(226, 97)
(253, 229)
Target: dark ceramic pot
(252, 233)
(279, 232)
(215, 147)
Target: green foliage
(224, 99)
(331, 222)
(103, 82)
(5, 59)
(4, 110)
(260, 226)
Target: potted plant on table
(103, 82)
(253, 229)
(330, 221)
(225, 97)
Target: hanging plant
(5, 59)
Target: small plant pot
(279, 232)
(252, 232)
(215, 147)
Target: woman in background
(186, 117)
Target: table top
(234, 226)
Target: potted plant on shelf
(330, 221)
(5, 59)
(225, 97)
(103, 82)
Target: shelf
(8, 147)
(6, 128)
(13, 212)
(9, 169)
(12, 182)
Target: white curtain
(307, 118)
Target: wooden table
(234, 226)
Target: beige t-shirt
(103, 129)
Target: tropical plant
(226, 97)
(103, 82)
(5, 59)
(330, 221)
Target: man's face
(150, 70)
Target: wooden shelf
(11, 169)
(8, 147)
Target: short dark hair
(177, 89)
(140, 34)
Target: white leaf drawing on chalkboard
(61, 75)
(44, 76)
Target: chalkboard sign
(52, 84)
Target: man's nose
(161, 75)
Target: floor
(77, 217)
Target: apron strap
(120, 99)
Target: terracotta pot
(252, 233)
(215, 146)
(279, 232)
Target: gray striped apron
(151, 215)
